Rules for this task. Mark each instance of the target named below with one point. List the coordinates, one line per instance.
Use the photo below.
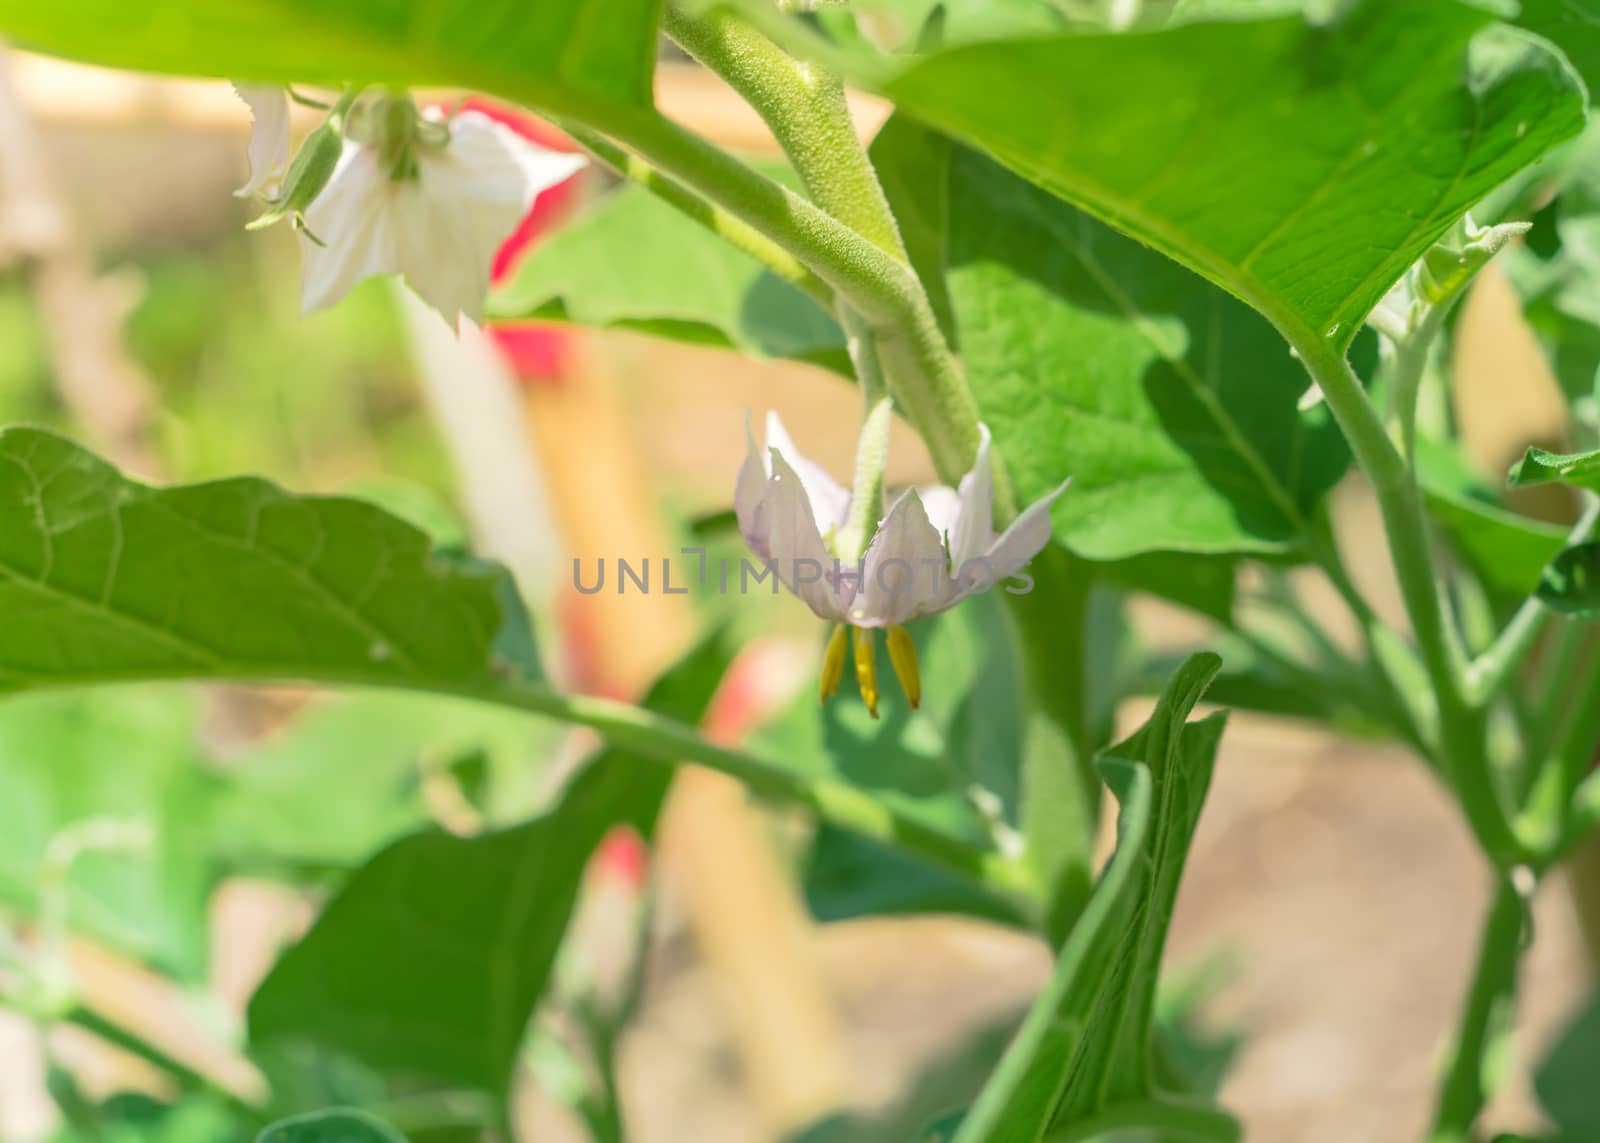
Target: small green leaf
(1581, 469)
(342, 1126)
(1571, 584)
(1171, 405)
(103, 579)
(848, 876)
(430, 961)
(622, 264)
(1086, 1042)
(557, 53)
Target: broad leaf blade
(103, 579)
(1085, 1043)
(626, 263)
(431, 960)
(1571, 584)
(1302, 168)
(552, 52)
(1574, 27)
(1172, 406)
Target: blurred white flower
(437, 221)
(269, 138)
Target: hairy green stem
(733, 230)
(804, 106)
(922, 374)
(1493, 990)
(1461, 727)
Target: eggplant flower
(434, 208)
(269, 138)
(929, 552)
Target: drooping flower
(269, 138)
(436, 217)
(930, 551)
(387, 189)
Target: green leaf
(847, 876)
(560, 54)
(1171, 405)
(1302, 168)
(622, 264)
(1580, 469)
(343, 1126)
(430, 962)
(929, 763)
(1565, 1078)
(78, 764)
(1574, 26)
(103, 579)
(1571, 584)
(1085, 1044)
(1203, 584)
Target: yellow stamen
(833, 662)
(866, 667)
(903, 654)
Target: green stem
(804, 106)
(1164, 1119)
(732, 230)
(921, 371)
(135, 1044)
(1461, 737)
(1493, 990)
(1490, 672)
(663, 740)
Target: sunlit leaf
(1171, 405)
(104, 579)
(1540, 467)
(553, 52)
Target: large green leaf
(124, 767)
(1565, 1079)
(1574, 25)
(104, 579)
(1301, 167)
(342, 1126)
(1571, 584)
(1085, 1044)
(952, 765)
(623, 263)
(1172, 405)
(428, 964)
(558, 53)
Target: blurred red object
(536, 351)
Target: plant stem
(1164, 1119)
(1461, 737)
(663, 740)
(922, 373)
(1495, 667)
(805, 108)
(1493, 990)
(130, 1041)
(732, 230)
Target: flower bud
(309, 173)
